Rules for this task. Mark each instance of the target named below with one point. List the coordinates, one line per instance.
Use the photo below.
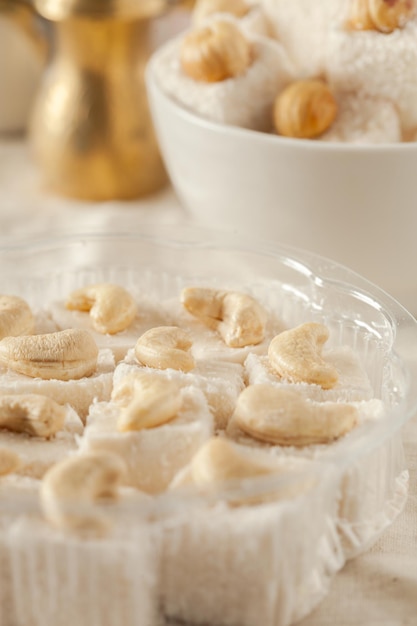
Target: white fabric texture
(378, 588)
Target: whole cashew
(64, 355)
(70, 490)
(155, 402)
(219, 460)
(165, 347)
(112, 309)
(282, 417)
(238, 317)
(33, 414)
(16, 317)
(295, 354)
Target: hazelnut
(305, 109)
(382, 15)
(215, 52)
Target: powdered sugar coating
(364, 119)
(380, 65)
(302, 27)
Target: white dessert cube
(77, 393)
(153, 455)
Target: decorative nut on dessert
(112, 308)
(215, 52)
(16, 317)
(282, 417)
(64, 355)
(305, 109)
(382, 15)
(204, 8)
(9, 461)
(165, 347)
(71, 489)
(219, 461)
(238, 317)
(155, 402)
(295, 354)
(32, 414)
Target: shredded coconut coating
(364, 119)
(244, 101)
(302, 27)
(380, 65)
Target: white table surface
(378, 588)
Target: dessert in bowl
(348, 191)
(227, 511)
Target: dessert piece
(224, 74)
(62, 575)
(314, 371)
(17, 494)
(377, 64)
(66, 366)
(116, 325)
(38, 431)
(153, 424)
(218, 561)
(219, 381)
(364, 119)
(321, 431)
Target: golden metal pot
(91, 131)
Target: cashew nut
(71, 489)
(9, 461)
(33, 414)
(16, 317)
(305, 109)
(382, 15)
(219, 460)
(112, 309)
(204, 8)
(238, 317)
(215, 52)
(165, 347)
(295, 355)
(283, 417)
(123, 392)
(64, 355)
(155, 401)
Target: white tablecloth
(378, 588)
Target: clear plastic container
(184, 556)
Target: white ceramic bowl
(353, 203)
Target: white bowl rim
(257, 136)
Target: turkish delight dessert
(191, 441)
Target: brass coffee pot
(91, 131)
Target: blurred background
(72, 86)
